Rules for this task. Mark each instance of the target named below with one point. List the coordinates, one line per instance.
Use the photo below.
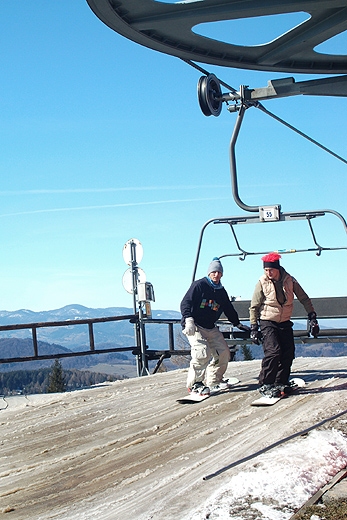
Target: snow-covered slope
(130, 451)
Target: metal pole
(144, 360)
(232, 159)
(140, 337)
(134, 274)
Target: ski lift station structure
(167, 27)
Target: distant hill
(120, 333)
(52, 340)
(16, 347)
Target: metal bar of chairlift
(232, 158)
(314, 237)
(233, 172)
(242, 251)
(287, 216)
(247, 219)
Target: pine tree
(56, 378)
(247, 353)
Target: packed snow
(128, 449)
(279, 482)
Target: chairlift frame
(288, 216)
(210, 99)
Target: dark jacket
(205, 304)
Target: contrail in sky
(106, 190)
(136, 188)
(124, 205)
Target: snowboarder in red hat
(270, 313)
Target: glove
(255, 334)
(243, 327)
(190, 328)
(313, 326)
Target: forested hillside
(38, 381)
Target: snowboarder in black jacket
(201, 307)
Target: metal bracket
(210, 95)
(335, 86)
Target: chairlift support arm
(211, 98)
(276, 88)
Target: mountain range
(53, 340)
(118, 333)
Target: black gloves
(313, 324)
(256, 335)
(243, 327)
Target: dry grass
(332, 510)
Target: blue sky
(102, 140)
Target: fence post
(91, 337)
(34, 334)
(171, 337)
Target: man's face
(215, 276)
(272, 274)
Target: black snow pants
(279, 352)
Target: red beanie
(272, 260)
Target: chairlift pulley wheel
(210, 95)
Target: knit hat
(272, 260)
(215, 265)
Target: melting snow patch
(279, 482)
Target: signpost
(134, 282)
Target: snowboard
(197, 398)
(270, 401)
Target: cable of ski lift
(206, 73)
(288, 125)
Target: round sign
(138, 251)
(128, 279)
